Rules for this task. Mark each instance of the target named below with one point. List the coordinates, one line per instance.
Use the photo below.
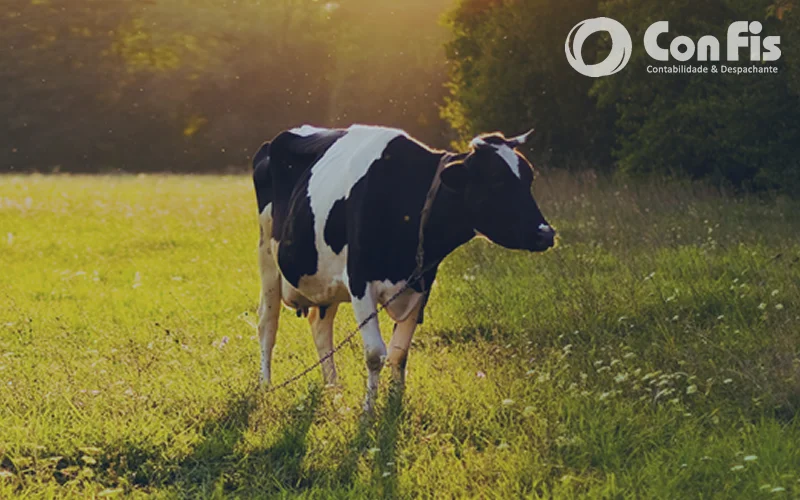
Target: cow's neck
(449, 226)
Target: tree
(56, 68)
(509, 73)
(192, 85)
(738, 129)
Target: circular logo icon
(621, 47)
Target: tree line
(509, 71)
(196, 85)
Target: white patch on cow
(332, 178)
(545, 228)
(402, 305)
(511, 158)
(307, 130)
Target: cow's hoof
(333, 387)
(369, 406)
(397, 386)
(398, 375)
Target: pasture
(655, 353)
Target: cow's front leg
(321, 319)
(400, 345)
(365, 309)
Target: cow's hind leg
(321, 320)
(400, 345)
(270, 305)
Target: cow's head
(496, 180)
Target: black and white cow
(340, 217)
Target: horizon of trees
(509, 71)
(197, 85)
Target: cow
(349, 215)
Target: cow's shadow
(219, 465)
(382, 447)
(222, 463)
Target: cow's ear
(455, 176)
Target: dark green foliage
(197, 85)
(509, 71)
(738, 129)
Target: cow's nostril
(546, 235)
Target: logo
(741, 35)
(618, 57)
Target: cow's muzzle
(544, 238)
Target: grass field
(655, 353)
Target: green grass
(654, 353)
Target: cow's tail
(262, 177)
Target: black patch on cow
(383, 217)
(323, 310)
(336, 226)
(297, 252)
(262, 178)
